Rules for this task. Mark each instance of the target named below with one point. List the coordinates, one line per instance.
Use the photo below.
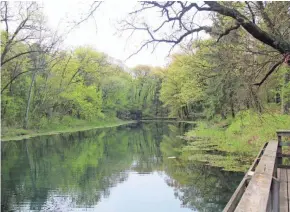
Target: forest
(190, 127)
(233, 70)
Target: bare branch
(251, 11)
(140, 10)
(228, 30)
(9, 41)
(6, 18)
(180, 17)
(14, 78)
(18, 55)
(174, 42)
(93, 9)
(253, 29)
(265, 17)
(269, 72)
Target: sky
(101, 31)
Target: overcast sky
(101, 33)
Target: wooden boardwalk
(265, 186)
(284, 193)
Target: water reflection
(118, 169)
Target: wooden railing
(280, 155)
(259, 189)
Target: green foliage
(13, 108)
(240, 139)
(84, 101)
(209, 79)
(81, 84)
(180, 85)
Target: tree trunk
(285, 101)
(25, 125)
(233, 110)
(232, 104)
(223, 115)
(255, 99)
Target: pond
(122, 169)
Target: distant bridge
(266, 185)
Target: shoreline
(170, 121)
(69, 130)
(76, 129)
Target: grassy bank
(233, 143)
(53, 127)
(168, 121)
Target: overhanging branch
(228, 30)
(273, 68)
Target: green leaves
(181, 85)
(84, 101)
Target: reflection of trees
(171, 145)
(146, 144)
(82, 165)
(75, 164)
(199, 187)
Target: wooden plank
(257, 159)
(267, 162)
(288, 184)
(280, 134)
(284, 143)
(279, 151)
(256, 196)
(284, 166)
(283, 132)
(275, 194)
(233, 202)
(282, 176)
(283, 155)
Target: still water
(122, 169)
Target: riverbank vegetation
(52, 128)
(235, 78)
(233, 143)
(48, 87)
(237, 81)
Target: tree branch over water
(179, 21)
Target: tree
(146, 87)
(25, 39)
(23, 24)
(179, 22)
(181, 88)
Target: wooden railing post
(275, 195)
(279, 150)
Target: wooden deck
(265, 186)
(284, 193)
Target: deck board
(268, 189)
(288, 179)
(256, 196)
(283, 194)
